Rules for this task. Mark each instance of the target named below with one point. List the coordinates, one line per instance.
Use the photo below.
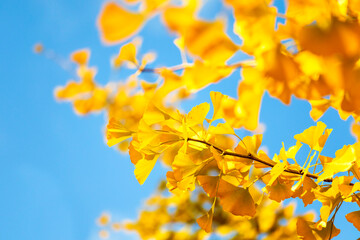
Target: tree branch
(256, 159)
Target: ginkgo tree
(224, 183)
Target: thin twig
(256, 159)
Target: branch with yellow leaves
(256, 159)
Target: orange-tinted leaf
(354, 218)
(209, 184)
(265, 158)
(235, 200)
(309, 231)
(204, 39)
(305, 192)
(355, 130)
(279, 191)
(205, 221)
(304, 230)
(81, 57)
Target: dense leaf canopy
(222, 182)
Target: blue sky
(57, 174)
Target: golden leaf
(126, 53)
(116, 24)
(204, 39)
(197, 114)
(343, 161)
(221, 128)
(314, 136)
(116, 132)
(202, 74)
(143, 168)
(249, 144)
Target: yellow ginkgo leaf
(152, 5)
(218, 100)
(126, 53)
(292, 151)
(143, 168)
(116, 24)
(276, 171)
(249, 144)
(343, 161)
(197, 114)
(116, 132)
(211, 43)
(73, 89)
(96, 102)
(314, 136)
(178, 184)
(202, 74)
(221, 128)
(247, 106)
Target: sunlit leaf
(116, 24)
(314, 136)
(197, 114)
(143, 168)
